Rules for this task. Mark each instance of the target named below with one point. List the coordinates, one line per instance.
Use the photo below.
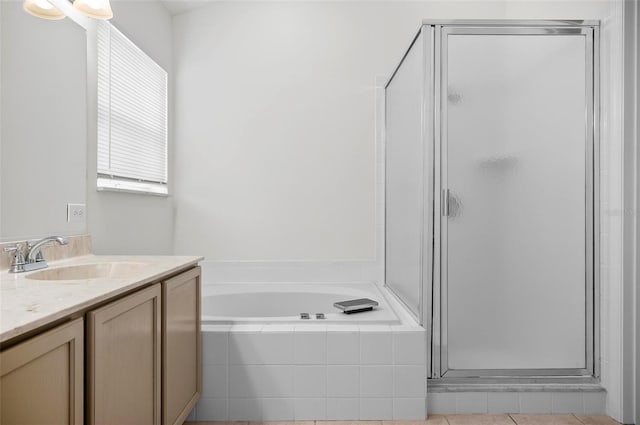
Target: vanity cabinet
(41, 379)
(141, 349)
(124, 360)
(181, 346)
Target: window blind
(132, 116)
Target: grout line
(578, 419)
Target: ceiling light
(97, 9)
(42, 9)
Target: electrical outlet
(76, 213)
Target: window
(132, 116)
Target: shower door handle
(445, 203)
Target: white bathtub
(261, 362)
(237, 303)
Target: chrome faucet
(34, 253)
(33, 259)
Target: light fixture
(97, 9)
(42, 9)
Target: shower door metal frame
(435, 298)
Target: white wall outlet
(76, 213)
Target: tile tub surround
(312, 372)
(26, 305)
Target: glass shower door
(517, 207)
(406, 176)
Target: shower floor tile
(454, 420)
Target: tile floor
(453, 420)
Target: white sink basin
(89, 271)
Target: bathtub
(262, 362)
(238, 303)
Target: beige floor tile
(437, 419)
(479, 420)
(406, 422)
(432, 420)
(281, 423)
(597, 420)
(545, 420)
(217, 423)
(348, 422)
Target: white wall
(43, 131)
(275, 109)
(123, 223)
(631, 315)
(637, 216)
(611, 283)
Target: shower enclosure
(491, 196)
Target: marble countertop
(27, 304)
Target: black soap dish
(356, 306)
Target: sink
(89, 271)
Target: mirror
(43, 124)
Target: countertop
(27, 304)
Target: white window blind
(132, 116)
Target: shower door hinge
(445, 202)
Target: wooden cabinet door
(181, 370)
(41, 379)
(124, 360)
